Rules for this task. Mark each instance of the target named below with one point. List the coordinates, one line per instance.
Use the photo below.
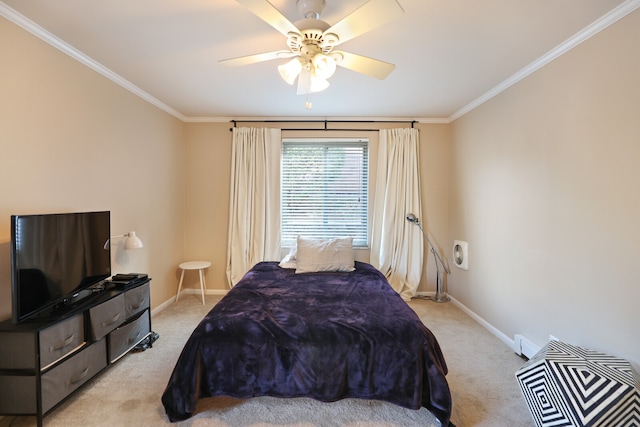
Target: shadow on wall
(5, 280)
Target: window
(325, 189)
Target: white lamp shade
(309, 83)
(324, 66)
(133, 241)
(290, 70)
(318, 84)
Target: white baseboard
(162, 306)
(188, 291)
(488, 326)
(196, 291)
(425, 294)
(524, 346)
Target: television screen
(56, 256)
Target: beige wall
(435, 148)
(208, 154)
(72, 140)
(208, 181)
(544, 188)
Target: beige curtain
(396, 249)
(254, 213)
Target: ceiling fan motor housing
(312, 32)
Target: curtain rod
(325, 122)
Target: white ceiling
(450, 55)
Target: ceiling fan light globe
(308, 83)
(318, 84)
(290, 70)
(337, 56)
(324, 66)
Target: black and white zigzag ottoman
(566, 385)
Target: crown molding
(600, 24)
(66, 48)
(311, 118)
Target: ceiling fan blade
(370, 15)
(363, 64)
(252, 59)
(269, 14)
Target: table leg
(202, 287)
(180, 285)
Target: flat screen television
(55, 260)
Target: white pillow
(289, 260)
(324, 255)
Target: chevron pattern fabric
(565, 385)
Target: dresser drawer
(18, 351)
(59, 382)
(107, 316)
(136, 300)
(127, 336)
(61, 339)
(22, 396)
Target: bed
(324, 335)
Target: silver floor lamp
(441, 278)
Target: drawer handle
(78, 378)
(133, 339)
(137, 306)
(65, 343)
(111, 321)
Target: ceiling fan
(311, 42)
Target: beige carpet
(481, 377)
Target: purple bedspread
(327, 336)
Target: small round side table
(194, 265)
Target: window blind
(325, 189)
